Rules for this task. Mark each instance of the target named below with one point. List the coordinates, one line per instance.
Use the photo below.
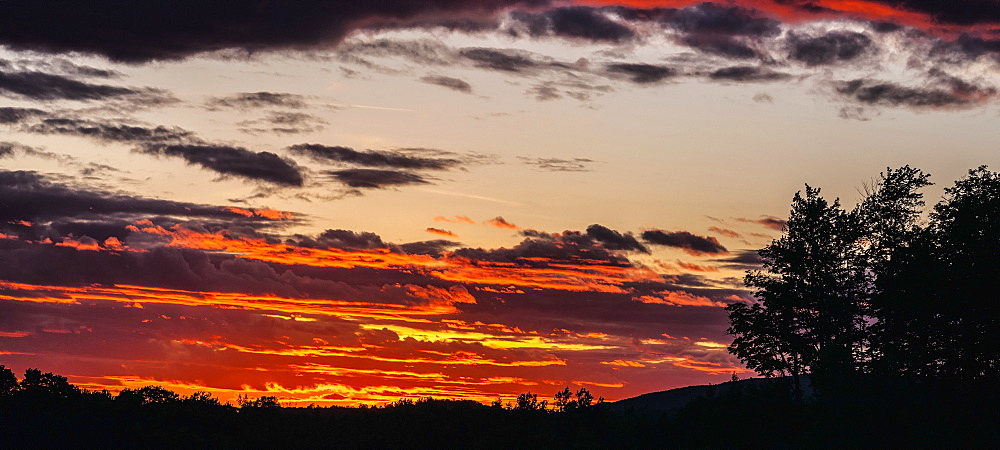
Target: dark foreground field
(748, 413)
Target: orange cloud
(678, 298)
(84, 243)
(577, 276)
(725, 232)
(457, 219)
(621, 363)
(500, 222)
(265, 213)
(440, 232)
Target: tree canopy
(873, 290)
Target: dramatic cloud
(720, 45)
(224, 159)
(16, 115)
(693, 244)
(343, 239)
(892, 94)
(500, 222)
(747, 74)
(53, 209)
(969, 12)
(398, 159)
(454, 84)
(833, 47)
(574, 22)
(235, 161)
(641, 73)
(714, 18)
(139, 31)
(614, 240)
(256, 100)
(375, 178)
(505, 61)
(441, 232)
(46, 87)
(59, 66)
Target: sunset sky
(345, 202)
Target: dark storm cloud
(506, 61)
(34, 198)
(256, 100)
(974, 47)
(435, 247)
(538, 249)
(136, 32)
(614, 240)
(642, 73)
(966, 12)
(17, 115)
(46, 87)
(959, 86)
(375, 158)
(342, 239)
(891, 94)
(830, 48)
(747, 74)
(234, 161)
(176, 142)
(725, 20)
(375, 178)
(454, 84)
(188, 270)
(365, 240)
(574, 22)
(685, 240)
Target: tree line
(885, 289)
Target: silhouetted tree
(585, 399)
(563, 400)
(8, 381)
(529, 402)
(938, 312)
(38, 384)
(805, 316)
(201, 398)
(263, 402)
(819, 297)
(148, 395)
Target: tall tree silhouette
(937, 306)
(804, 317)
(817, 300)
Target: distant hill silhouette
(673, 400)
